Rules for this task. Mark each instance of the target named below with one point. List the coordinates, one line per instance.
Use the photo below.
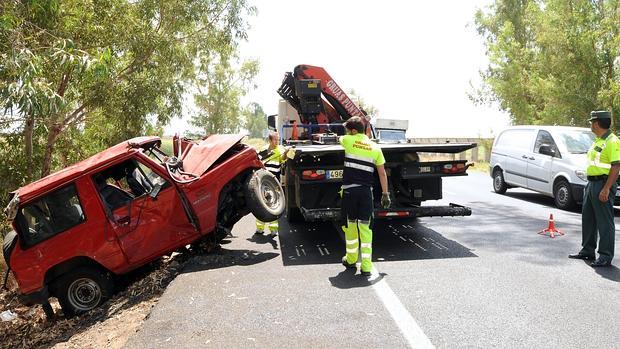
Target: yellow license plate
(334, 174)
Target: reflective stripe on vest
(273, 162)
(595, 166)
(359, 160)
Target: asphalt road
(483, 281)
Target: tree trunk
(52, 136)
(28, 134)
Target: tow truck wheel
(499, 185)
(82, 290)
(264, 196)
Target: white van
(548, 159)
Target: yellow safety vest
(603, 152)
(361, 155)
(274, 161)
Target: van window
(544, 138)
(517, 139)
(50, 215)
(577, 142)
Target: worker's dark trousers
(357, 209)
(598, 216)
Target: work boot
(273, 234)
(258, 232)
(347, 264)
(366, 273)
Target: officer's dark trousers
(598, 216)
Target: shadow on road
(349, 279)
(398, 240)
(223, 258)
(610, 273)
(540, 199)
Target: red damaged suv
(126, 206)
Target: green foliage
(255, 120)
(361, 103)
(220, 110)
(77, 76)
(551, 61)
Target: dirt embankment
(108, 326)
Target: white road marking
(406, 323)
(420, 247)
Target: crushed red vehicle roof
(57, 178)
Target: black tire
(82, 290)
(8, 244)
(293, 214)
(563, 195)
(264, 196)
(499, 185)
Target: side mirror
(155, 191)
(547, 149)
(271, 122)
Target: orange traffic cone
(551, 230)
(295, 134)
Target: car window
(50, 215)
(517, 139)
(544, 138)
(577, 142)
(152, 177)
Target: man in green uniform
(598, 210)
(362, 156)
(273, 157)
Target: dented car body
(126, 206)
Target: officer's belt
(597, 178)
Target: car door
(145, 225)
(539, 168)
(518, 143)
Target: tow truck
(310, 119)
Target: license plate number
(425, 169)
(334, 174)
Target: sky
(411, 60)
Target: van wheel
(82, 290)
(499, 185)
(264, 196)
(563, 196)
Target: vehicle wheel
(82, 290)
(8, 244)
(563, 195)
(293, 214)
(499, 185)
(264, 196)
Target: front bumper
(579, 189)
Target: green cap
(599, 114)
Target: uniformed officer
(273, 157)
(598, 211)
(362, 156)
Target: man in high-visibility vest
(273, 157)
(598, 210)
(361, 157)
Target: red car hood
(200, 155)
